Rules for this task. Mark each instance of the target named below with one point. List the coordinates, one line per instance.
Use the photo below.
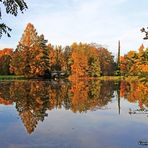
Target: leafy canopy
(12, 7)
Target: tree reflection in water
(135, 92)
(33, 98)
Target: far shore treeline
(34, 58)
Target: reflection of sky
(63, 128)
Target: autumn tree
(143, 63)
(135, 63)
(5, 57)
(32, 54)
(51, 55)
(21, 53)
(58, 59)
(39, 62)
(6, 51)
(123, 66)
(86, 61)
(128, 63)
(106, 61)
(80, 65)
(16, 63)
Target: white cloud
(67, 21)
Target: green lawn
(11, 77)
(111, 78)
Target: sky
(90, 21)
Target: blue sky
(66, 21)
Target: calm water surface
(79, 114)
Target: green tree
(94, 67)
(68, 59)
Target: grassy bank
(104, 78)
(132, 78)
(115, 78)
(111, 78)
(128, 78)
(11, 77)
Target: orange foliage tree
(85, 61)
(135, 63)
(31, 56)
(106, 61)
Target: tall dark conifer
(118, 60)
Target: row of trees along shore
(34, 58)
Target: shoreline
(111, 78)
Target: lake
(73, 114)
